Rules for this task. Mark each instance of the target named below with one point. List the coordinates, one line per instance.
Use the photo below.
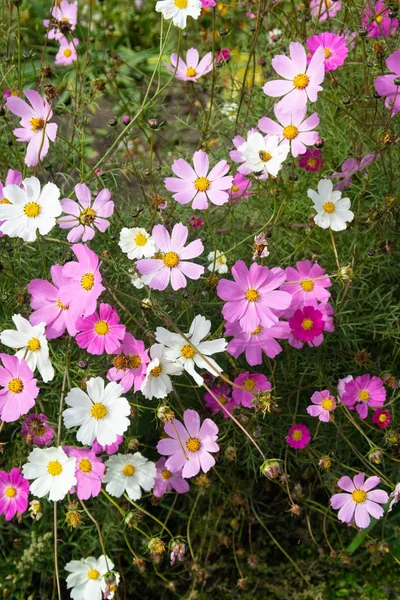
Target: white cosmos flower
(178, 350)
(333, 210)
(264, 154)
(32, 344)
(136, 243)
(220, 262)
(87, 577)
(179, 10)
(101, 413)
(30, 209)
(129, 473)
(157, 383)
(53, 472)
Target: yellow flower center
(257, 330)
(4, 201)
(359, 496)
(101, 328)
(156, 372)
(166, 474)
(249, 384)
(10, 492)
(187, 351)
(301, 81)
(252, 295)
(128, 470)
(223, 399)
(54, 468)
(135, 361)
(193, 444)
(379, 19)
(307, 285)
(36, 124)
(328, 404)
(99, 411)
(327, 53)
(191, 72)
(61, 305)
(181, 3)
(264, 156)
(222, 260)
(290, 132)
(329, 207)
(171, 259)
(235, 188)
(85, 465)
(307, 324)
(33, 345)
(67, 52)
(15, 386)
(32, 209)
(382, 418)
(87, 216)
(87, 281)
(297, 435)
(363, 395)
(311, 162)
(202, 184)
(140, 239)
(93, 574)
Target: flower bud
(271, 468)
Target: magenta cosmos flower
(334, 46)
(386, 86)
(84, 217)
(293, 128)
(101, 331)
(307, 284)
(323, 313)
(193, 68)
(253, 296)
(252, 383)
(298, 436)
(174, 264)
(35, 127)
(196, 222)
(89, 472)
(64, 12)
(324, 9)
(108, 448)
(300, 83)
(322, 405)
(84, 287)
(19, 388)
(67, 53)
(360, 500)
(306, 324)
(13, 178)
(362, 392)
(130, 363)
(14, 490)
(262, 339)
(376, 20)
(48, 306)
(223, 393)
(312, 160)
(240, 189)
(167, 481)
(382, 418)
(37, 430)
(198, 184)
(189, 446)
(349, 168)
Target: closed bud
(345, 273)
(271, 468)
(165, 414)
(83, 364)
(375, 456)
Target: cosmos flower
(157, 382)
(136, 243)
(253, 344)
(168, 481)
(334, 46)
(61, 12)
(332, 210)
(264, 154)
(385, 84)
(179, 10)
(67, 53)
(108, 448)
(196, 222)
(375, 18)
(37, 430)
(101, 331)
(349, 168)
(298, 436)
(293, 128)
(18, 388)
(360, 501)
(130, 363)
(223, 393)
(309, 287)
(129, 473)
(86, 577)
(240, 189)
(14, 490)
(322, 405)
(325, 9)
(238, 157)
(89, 472)
(218, 262)
(193, 68)
(52, 471)
(362, 392)
(12, 178)
(312, 160)
(382, 418)
(252, 383)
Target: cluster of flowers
(63, 20)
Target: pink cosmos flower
(198, 184)
(89, 472)
(84, 287)
(35, 127)
(61, 12)
(208, 3)
(385, 84)
(101, 331)
(240, 189)
(13, 178)
(223, 56)
(130, 362)
(252, 384)
(360, 500)
(174, 265)
(310, 287)
(334, 46)
(262, 339)
(342, 385)
(83, 217)
(382, 418)
(298, 436)
(322, 405)
(108, 448)
(376, 20)
(14, 490)
(312, 160)
(300, 83)
(362, 392)
(324, 9)
(166, 480)
(349, 168)
(67, 54)
(19, 388)
(189, 446)
(310, 323)
(223, 393)
(48, 306)
(37, 430)
(193, 68)
(10, 92)
(253, 296)
(196, 222)
(293, 127)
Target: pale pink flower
(322, 405)
(108, 448)
(168, 481)
(66, 54)
(360, 501)
(293, 127)
(240, 189)
(193, 68)
(130, 363)
(89, 472)
(307, 284)
(64, 12)
(19, 388)
(386, 86)
(324, 9)
(84, 217)
(262, 339)
(349, 168)
(362, 392)
(252, 383)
